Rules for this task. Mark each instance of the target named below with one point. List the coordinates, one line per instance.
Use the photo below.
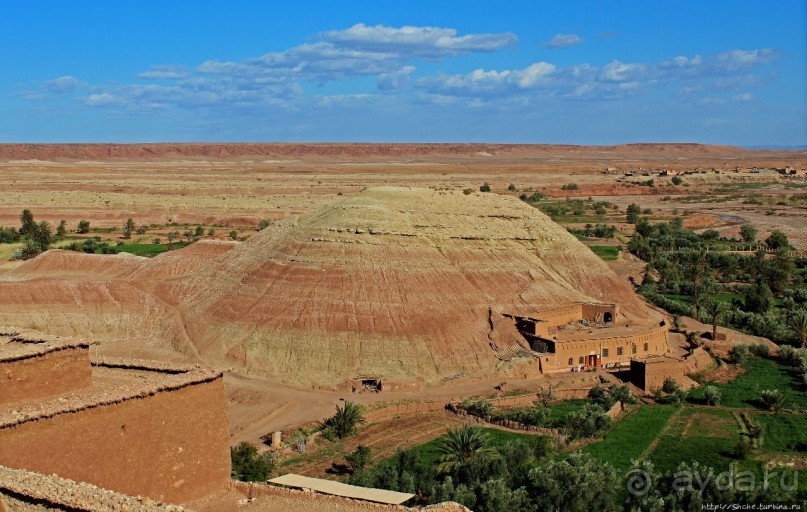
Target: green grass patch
(783, 432)
(559, 410)
(150, 250)
(631, 436)
(428, 453)
(606, 252)
(698, 434)
(745, 390)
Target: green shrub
(359, 458)
(485, 187)
(248, 465)
(711, 395)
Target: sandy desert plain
(377, 261)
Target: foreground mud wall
(44, 375)
(172, 446)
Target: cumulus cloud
(563, 41)
(62, 85)
(616, 79)
(362, 50)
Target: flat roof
(17, 344)
(114, 380)
(52, 489)
(340, 489)
(591, 333)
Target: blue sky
(594, 72)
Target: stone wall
(172, 445)
(48, 374)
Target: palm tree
(346, 419)
(715, 310)
(798, 322)
(697, 301)
(460, 447)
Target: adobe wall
(650, 376)
(596, 311)
(172, 446)
(656, 340)
(44, 375)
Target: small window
(633, 349)
(619, 351)
(605, 352)
(571, 361)
(645, 347)
(580, 361)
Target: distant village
(786, 172)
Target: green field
(606, 252)
(760, 374)
(698, 434)
(150, 250)
(631, 436)
(783, 432)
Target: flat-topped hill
(361, 150)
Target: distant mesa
(51, 152)
(402, 284)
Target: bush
(588, 421)
(739, 354)
(248, 465)
(670, 386)
(234, 234)
(83, 226)
(534, 198)
(677, 180)
(359, 459)
(773, 399)
(535, 416)
(570, 186)
(599, 396)
(468, 191)
(512, 188)
(711, 395)
(479, 408)
(760, 350)
(485, 187)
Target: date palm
(346, 420)
(460, 447)
(797, 321)
(715, 310)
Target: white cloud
(416, 42)
(164, 73)
(693, 75)
(63, 84)
(745, 96)
(395, 80)
(563, 41)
